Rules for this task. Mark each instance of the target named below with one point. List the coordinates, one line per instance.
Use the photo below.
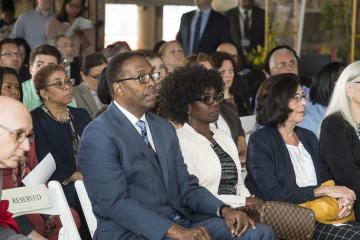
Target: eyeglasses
(20, 134)
(209, 100)
(10, 54)
(145, 78)
(299, 97)
(62, 84)
(97, 77)
(291, 63)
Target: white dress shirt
(303, 165)
(133, 119)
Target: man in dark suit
(135, 175)
(247, 26)
(202, 30)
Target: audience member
(191, 96)
(86, 93)
(172, 55)
(72, 64)
(70, 23)
(55, 118)
(7, 19)
(157, 46)
(202, 30)
(225, 64)
(15, 138)
(25, 51)
(340, 132)
(156, 61)
(320, 94)
(31, 25)
(247, 26)
(228, 120)
(9, 83)
(242, 73)
(10, 55)
(39, 57)
(165, 201)
(283, 160)
(115, 48)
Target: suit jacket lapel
(159, 146)
(127, 131)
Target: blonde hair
(340, 101)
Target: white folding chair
(86, 206)
(248, 123)
(43, 200)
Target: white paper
(42, 172)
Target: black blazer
(257, 29)
(340, 149)
(216, 32)
(271, 174)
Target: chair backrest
(40, 199)
(86, 206)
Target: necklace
(63, 119)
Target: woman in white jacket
(191, 97)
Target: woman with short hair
(58, 128)
(70, 23)
(283, 160)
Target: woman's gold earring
(189, 117)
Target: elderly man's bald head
(14, 119)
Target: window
(121, 24)
(171, 19)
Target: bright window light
(121, 24)
(171, 19)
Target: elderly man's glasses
(62, 84)
(145, 78)
(20, 134)
(209, 100)
(283, 65)
(299, 97)
(10, 54)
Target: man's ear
(83, 76)
(30, 70)
(118, 89)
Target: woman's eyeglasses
(20, 134)
(209, 100)
(299, 97)
(62, 84)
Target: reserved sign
(27, 199)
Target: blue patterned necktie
(141, 125)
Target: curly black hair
(184, 86)
(273, 103)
